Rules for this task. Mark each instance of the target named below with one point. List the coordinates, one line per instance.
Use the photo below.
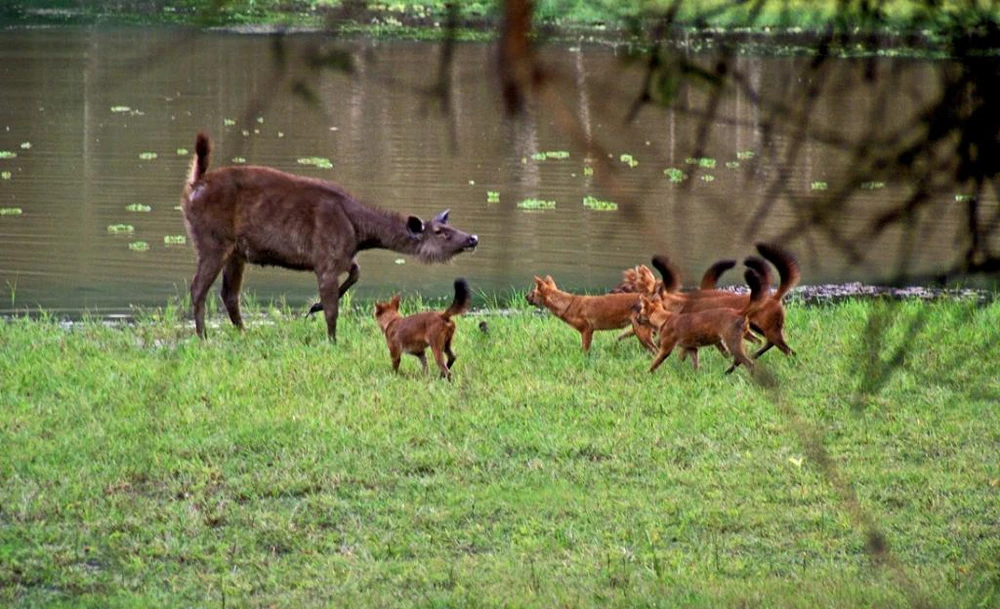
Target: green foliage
(143, 467)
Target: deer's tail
(199, 165)
(787, 265)
(462, 297)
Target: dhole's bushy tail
(757, 292)
(202, 149)
(787, 265)
(671, 278)
(762, 269)
(461, 303)
(711, 276)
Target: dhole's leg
(208, 269)
(451, 354)
(587, 334)
(665, 350)
(767, 346)
(626, 333)
(694, 357)
(232, 279)
(422, 356)
(439, 358)
(739, 357)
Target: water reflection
(103, 119)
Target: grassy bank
(140, 467)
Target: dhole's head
(385, 312)
(539, 294)
(438, 241)
(650, 311)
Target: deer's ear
(415, 225)
(442, 217)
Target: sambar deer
(263, 216)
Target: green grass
(142, 467)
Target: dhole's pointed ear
(538, 280)
(549, 280)
(394, 301)
(415, 225)
(442, 217)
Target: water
(101, 119)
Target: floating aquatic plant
(5, 175)
(174, 239)
(492, 196)
(707, 178)
(7, 154)
(239, 160)
(964, 198)
(675, 175)
(701, 161)
(182, 152)
(317, 161)
(628, 159)
(588, 171)
(138, 207)
(120, 109)
(138, 246)
(400, 261)
(147, 156)
(746, 154)
(818, 186)
(536, 204)
(733, 164)
(11, 211)
(872, 185)
(599, 205)
(121, 229)
(228, 122)
(25, 145)
(551, 154)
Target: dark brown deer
(260, 215)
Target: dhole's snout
(471, 243)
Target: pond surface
(97, 126)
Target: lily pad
(147, 156)
(11, 211)
(121, 229)
(675, 175)
(174, 239)
(317, 161)
(598, 205)
(536, 204)
(138, 207)
(138, 246)
(7, 154)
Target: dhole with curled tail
(587, 314)
(768, 319)
(720, 327)
(235, 215)
(414, 333)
